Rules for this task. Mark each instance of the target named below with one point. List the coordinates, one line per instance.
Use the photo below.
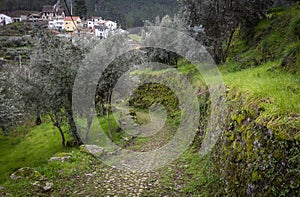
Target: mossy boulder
(61, 157)
(93, 150)
(38, 181)
(26, 172)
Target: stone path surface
(104, 180)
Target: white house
(96, 19)
(51, 12)
(101, 31)
(110, 24)
(90, 23)
(23, 17)
(57, 24)
(17, 19)
(4, 20)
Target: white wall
(56, 24)
(6, 18)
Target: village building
(56, 24)
(90, 23)
(71, 25)
(109, 24)
(51, 12)
(97, 19)
(101, 31)
(33, 17)
(4, 20)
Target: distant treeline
(34, 5)
(132, 13)
(128, 13)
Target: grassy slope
(37, 146)
(33, 149)
(277, 92)
(275, 39)
(271, 57)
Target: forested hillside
(128, 13)
(33, 5)
(132, 13)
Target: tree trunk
(228, 45)
(38, 119)
(89, 121)
(63, 140)
(108, 118)
(218, 52)
(73, 128)
(71, 121)
(57, 125)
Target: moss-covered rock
(92, 150)
(26, 172)
(61, 157)
(253, 159)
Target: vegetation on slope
(258, 153)
(128, 13)
(29, 146)
(275, 38)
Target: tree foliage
(80, 8)
(157, 54)
(220, 18)
(132, 13)
(11, 5)
(45, 85)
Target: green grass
(200, 174)
(279, 88)
(31, 150)
(135, 37)
(268, 41)
(100, 137)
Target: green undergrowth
(275, 38)
(31, 149)
(276, 91)
(62, 174)
(200, 174)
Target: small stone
(92, 149)
(25, 172)
(48, 186)
(36, 183)
(14, 177)
(62, 159)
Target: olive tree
(45, 85)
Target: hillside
(258, 153)
(132, 13)
(128, 13)
(33, 5)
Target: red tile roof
(68, 18)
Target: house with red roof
(72, 23)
